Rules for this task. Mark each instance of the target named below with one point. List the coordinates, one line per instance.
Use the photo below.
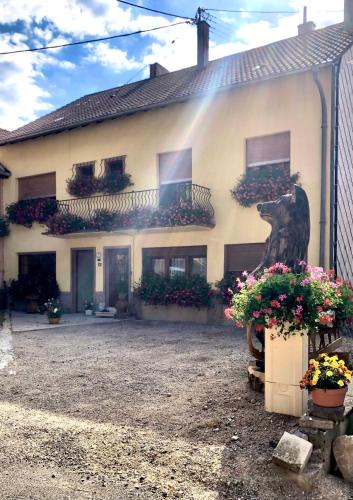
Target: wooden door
(117, 275)
(84, 277)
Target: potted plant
(89, 308)
(54, 311)
(327, 379)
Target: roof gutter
(322, 241)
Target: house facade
(185, 138)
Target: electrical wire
(154, 10)
(92, 40)
(254, 11)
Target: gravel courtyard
(138, 410)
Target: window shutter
(175, 166)
(37, 186)
(243, 257)
(268, 149)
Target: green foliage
(53, 308)
(4, 226)
(25, 212)
(180, 290)
(227, 286)
(112, 183)
(40, 286)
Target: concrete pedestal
(285, 363)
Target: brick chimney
(348, 15)
(306, 26)
(203, 30)
(157, 69)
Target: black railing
(178, 204)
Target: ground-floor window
(242, 257)
(37, 264)
(175, 261)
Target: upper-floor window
(268, 150)
(175, 177)
(85, 169)
(37, 186)
(113, 167)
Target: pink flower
(258, 298)
(305, 282)
(228, 313)
(259, 328)
(327, 302)
(300, 298)
(238, 324)
(256, 314)
(282, 297)
(275, 303)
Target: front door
(83, 277)
(117, 275)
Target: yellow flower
(329, 373)
(334, 364)
(315, 379)
(340, 383)
(312, 362)
(348, 375)
(341, 362)
(326, 363)
(334, 358)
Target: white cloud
(117, 60)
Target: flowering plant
(110, 183)
(89, 306)
(305, 301)
(25, 212)
(264, 183)
(53, 308)
(326, 372)
(4, 226)
(82, 185)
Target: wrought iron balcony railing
(179, 204)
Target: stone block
(336, 414)
(292, 452)
(307, 421)
(343, 452)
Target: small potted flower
(327, 379)
(89, 308)
(54, 311)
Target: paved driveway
(136, 410)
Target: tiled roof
(300, 53)
(3, 133)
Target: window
(34, 264)
(242, 257)
(85, 169)
(268, 150)
(37, 186)
(175, 261)
(175, 177)
(114, 166)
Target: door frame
(106, 270)
(74, 274)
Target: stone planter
(54, 321)
(329, 398)
(285, 363)
(174, 313)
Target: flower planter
(54, 321)
(329, 398)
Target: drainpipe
(333, 166)
(322, 243)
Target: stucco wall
(215, 128)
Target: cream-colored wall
(215, 128)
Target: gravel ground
(140, 410)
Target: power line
(254, 11)
(92, 40)
(154, 10)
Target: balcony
(174, 206)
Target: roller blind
(175, 166)
(37, 186)
(243, 257)
(268, 149)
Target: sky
(35, 83)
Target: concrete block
(292, 452)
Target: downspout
(322, 241)
(333, 165)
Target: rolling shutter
(175, 166)
(268, 149)
(243, 257)
(37, 186)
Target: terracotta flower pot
(329, 398)
(54, 321)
